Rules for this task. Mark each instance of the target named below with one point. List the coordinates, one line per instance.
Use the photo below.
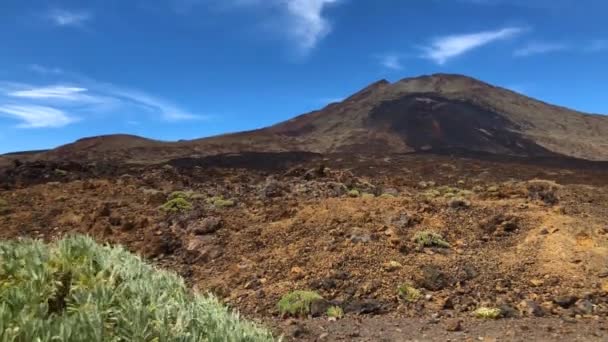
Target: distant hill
(440, 113)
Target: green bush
(298, 303)
(430, 239)
(77, 290)
(487, 313)
(409, 293)
(176, 205)
(180, 194)
(335, 312)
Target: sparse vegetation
(430, 239)
(298, 303)
(4, 207)
(180, 194)
(487, 313)
(77, 290)
(354, 193)
(220, 202)
(409, 293)
(177, 205)
(335, 312)
(367, 195)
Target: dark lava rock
(324, 284)
(507, 311)
(272, 188)
(531, 308)
(319, 307)
(364, 307)
(208, 225)
(459, 203)
(433, 278)
(565, 301)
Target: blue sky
(183, 69)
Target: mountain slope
(442, 112)
(439, 113)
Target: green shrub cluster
(177, 205)
(409, 293)
(335, 312)
(487, 313)
(77, 290)
(180, 194)
(298, 303)
(430, 239)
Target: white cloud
(56, 105)
(536, 48)
(62, 17)
(444, 48)
(51, 92)
(33, 116)
(167, 110)
(308, 24)
(302, 21)
(391, 61)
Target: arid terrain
(451, 209)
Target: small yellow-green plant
(77, 290)
(298, 303)
(220, 202)
(367, 195)
(409, 293)
(335, 312)
(487, 313)
(4, 207)
(177, 205)
(354, 193)
(387, 196)
(180, 194)
(430, 239)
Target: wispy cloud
(60, 104)
(303, 22)
(32, 116)
(536, 48)
(597, 45)
(61, 17)
(308, 25)
(52, 92)
(445, 48)
(391, 61)
(40, 69)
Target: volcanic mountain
(440, 113)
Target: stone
(358, 235)
(453, 325)
(319, 307)
(531, 308)
(565, 301)
(459, 203)
(433, 278)
(208, 225)
(507, 311)
(583, 307)
(363, 307)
